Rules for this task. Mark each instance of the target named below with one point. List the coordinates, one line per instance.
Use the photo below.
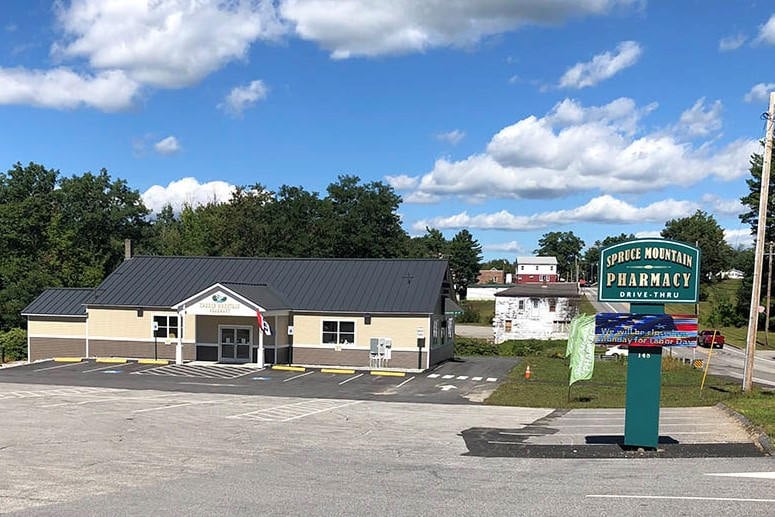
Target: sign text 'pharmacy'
(649, 271)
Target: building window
(165, 326)
(522, 305)
(521, 268)
(338, 332)
(508, 325)
(551, 268)
(552, 304)
(535, 303)
(536, 268)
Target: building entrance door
(235, 343)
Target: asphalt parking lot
(468, 381)
(83, 450)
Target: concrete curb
(388, 374)
(289, 368)
(760, 438)
(153, 361)
(337, 370)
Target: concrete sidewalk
(599, 433)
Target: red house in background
(536, 270)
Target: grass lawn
(548, 385)
(485, 309)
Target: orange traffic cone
(527, 372)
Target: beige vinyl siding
(56, 327)
(307, 329)
(207, 328)
(125, 324)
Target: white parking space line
(492, 379)
(461, 377)
(476, 378)
(103, 368)
(447, 376)
(55, 367)
(407, 380)
(289, 412)
(351, 378)
(159, 408)
(681, 498)
(433, 375)
(256, 370)
(297, 376)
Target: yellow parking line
(115, 360)
(152, 361)
(289, 368)
(336, 370)
(68, 359)
(388, 374)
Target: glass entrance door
(235, 344)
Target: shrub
(470, 315)
(474, 346)
(14, 344)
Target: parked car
(617, 351)
(705, 338)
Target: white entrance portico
(226, 323)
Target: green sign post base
(644, 382)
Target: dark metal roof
(563, 290)
(259, 294)
(328, 285)
(59, 302)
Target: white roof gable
(537, 261)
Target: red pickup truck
(705, 338)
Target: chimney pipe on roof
(127, 249)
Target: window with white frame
(165, 326)
(338, 332)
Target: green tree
(298, 224)
(751, 200)
(565, 247)
(93, 215)
(365, 220)
(702, 229)
(431, 245)
(465, 254)
(592, 255)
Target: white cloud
(700, 120)
(163, 43)
(574, 149)
(603, 209)
(766, 34)
(511, 247)
(168, 145)
(61, 88)
(760, 93)
(740, 238)
(349, 28)
(186, 191)
(243, 97)
(453, 137)
(603, 66)
(731, 42)
(649, 234)
(717, 205)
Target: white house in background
(535, 311)
(536, 270)
(733, 274)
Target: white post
(753, 316)
(179, 344)
(260, 358)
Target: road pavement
(81, 451)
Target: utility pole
(769, 289)
(753, 317)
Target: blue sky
(509, 118)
